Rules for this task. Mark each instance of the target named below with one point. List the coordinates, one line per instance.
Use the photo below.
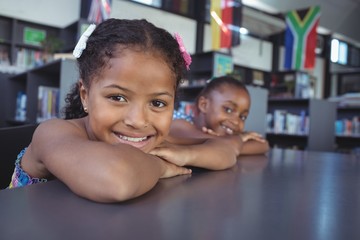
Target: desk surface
(285, 195)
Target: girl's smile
(131, 105)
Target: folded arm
(92, 169)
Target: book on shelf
(348, 127)
(284, 122)
(48, 103)
(20, 112)
(27, 58)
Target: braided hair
(102, 44)
(217, 82)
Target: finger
(185, 171)
(211, 132)
(204, 129)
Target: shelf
(320, 130)
(60, 74)
(348, 108)
(14, 122)
(348, 127)
(347, 143)
(288, 141)
(300, 135)
(13, 37)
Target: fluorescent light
(334, 50)
(244, 31)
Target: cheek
(101, 112)
(162, 122)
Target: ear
(83, 91)
(203, 104)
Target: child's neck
(199, 120)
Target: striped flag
(225, 23)
(100, 10)
(300, 38)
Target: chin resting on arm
(96, 170)
(248, 142)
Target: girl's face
(225, 109)
(131, 101)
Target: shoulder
(59, 127)
(55, 123)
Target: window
(355, 57)
(339, 52)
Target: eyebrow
(231, 102)
(128, 90)
(236, 105)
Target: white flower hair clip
(81, 45)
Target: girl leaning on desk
(113, 144)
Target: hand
(209, 131)
(246, 136)
(172, 170)
(173, 153)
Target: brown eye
(228, 110)
(117, 98)
(158, 104)
(243, 117)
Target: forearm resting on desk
(211, 153)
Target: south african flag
(300, 38)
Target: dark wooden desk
(285, 196)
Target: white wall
(251, 53)
(171, 22)
(56, 13)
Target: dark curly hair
(101, 46)
(217, 82)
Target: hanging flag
(225, 23)
(300, 38)
(99, 11)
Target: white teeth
(228, 130)
(131, 139)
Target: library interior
(300, 61)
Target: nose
(236, 123)
(136, 116)
(234, 120)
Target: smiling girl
(112, 145)
(220, 110)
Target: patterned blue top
(20, 178)
(180, 115)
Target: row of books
(284, 122)
(48, 103)
(4, 57)
(348, 127)
(27, 58)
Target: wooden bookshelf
(60, 74)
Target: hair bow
(81, 45)
(186, 56)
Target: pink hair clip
(186, 56)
